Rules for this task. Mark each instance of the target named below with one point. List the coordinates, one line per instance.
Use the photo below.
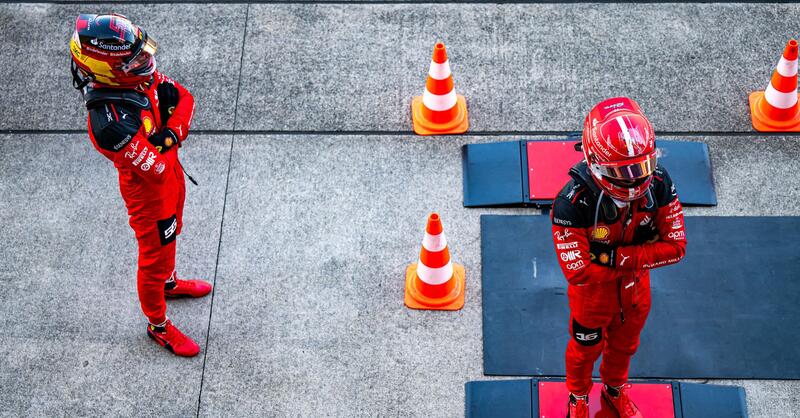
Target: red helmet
(620, 148)
(110, 51)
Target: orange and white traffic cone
(776, 109)
(439, 110)
(435, 283)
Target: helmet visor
(628, 172)
(142, 61)
(627, 184)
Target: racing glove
(615, 257)
(645, 234)
(602, 254)
(164, 140)
(167, 100)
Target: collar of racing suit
(101, 96)
(610, 208)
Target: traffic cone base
(422, 126)
(452, 298)
(763, 123)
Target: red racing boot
(177, 288)
(171, 338)
(617, 398)
(578, 406)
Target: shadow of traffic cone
(776, 109)
(435, 283)
(439, 110)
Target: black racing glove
(602, 254)
(167, 100)
(645, 234)
(164, 140)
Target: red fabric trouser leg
(622, 340)
(595, 330)
(156, 265)
(181, 197)
(581, 358)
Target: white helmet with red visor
(620, 148)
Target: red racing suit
(151, 183)
(609, 302)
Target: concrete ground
(313, 193)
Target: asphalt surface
(313, 193)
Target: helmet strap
(79, 78)
(649, 200)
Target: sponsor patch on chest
(601, 233)
(147, 124)
(570, 255)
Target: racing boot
(177, 288)
(617, 398)
(171, 338)
(578, 406)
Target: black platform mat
(496, 174)
(728, 310)
(500, 398)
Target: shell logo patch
(601, 232)
(148, 125)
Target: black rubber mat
(728, 310)
(500, 398)
(497, 174)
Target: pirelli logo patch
(166, 229)
(586, 336)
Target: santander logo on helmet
(619, 147)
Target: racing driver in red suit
(617, 218)
(138, 119)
